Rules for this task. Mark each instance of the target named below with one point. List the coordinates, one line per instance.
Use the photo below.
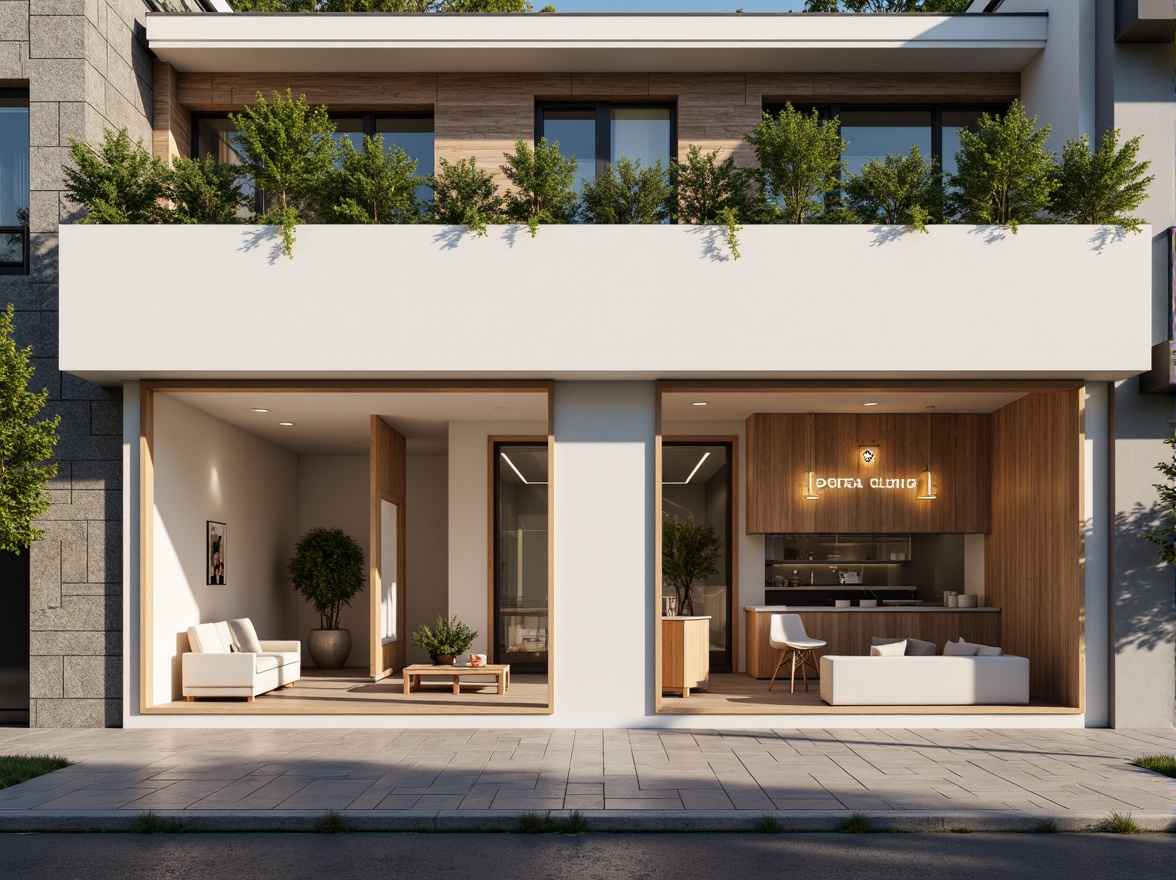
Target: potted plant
(689, 553)
(447, 639)
(327, 569)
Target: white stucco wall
(208, 470)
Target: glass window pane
(349, 128)
(575, 130)
(520, 564)
(14, 164)
(954, 121)
(217, 137)
(414, 135)
(641, 133)
(874, 133)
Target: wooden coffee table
(412, 674)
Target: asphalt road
(588, 857)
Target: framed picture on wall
(215, 555)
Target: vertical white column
(603, 494)
(1096, 532)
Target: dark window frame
(21, 268)
(603, 137)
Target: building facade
(507, 423)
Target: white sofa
(925, 681)
(215, 668)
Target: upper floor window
(14, 181)
(873, 131)
(598, 134)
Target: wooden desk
(413, 673)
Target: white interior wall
(469, 509)
(208, 470)
(333, 492)
(426, 545)
(974, 565)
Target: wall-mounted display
(215, 552)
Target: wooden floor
(739, 694)
(352, 692)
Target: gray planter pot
(328, 648)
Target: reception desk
(849, 630)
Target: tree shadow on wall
(1144, 588)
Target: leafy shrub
(896, 190)
(886, 5)
(544, 184)
(466, 194)
(373, 185)
(707, 187)
(448, 636)
(287, 149)
(204, 191)
(628, 193)
(1004, 172)
(800, 160)
(120, 182)
(327, 569)
(1103, 186)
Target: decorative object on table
(327, 569)
(214, 555)
(445, 640)
(868, 603)
(689, 553)
(842, 603)
(787, 633)
(477, 660)
(964, 600)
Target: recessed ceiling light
(286, 424)
(700, 403)
(258, 409)
(871, 403)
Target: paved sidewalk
(620, 779)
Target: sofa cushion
(914, 647)
(959, 649)
(893, 649)
(205, 639)
(266, 662)
(245, 636)
(988, 651)
(283, 658)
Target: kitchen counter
(849, 630)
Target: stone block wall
(87, 68)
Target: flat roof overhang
(571, 43)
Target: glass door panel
(520, 555)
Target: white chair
(787, 633)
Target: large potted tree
(327, 569)
(689, 553)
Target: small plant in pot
(327, 569)
(689, 553)
(445, 640)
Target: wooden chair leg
(779, 663)
(792, 689)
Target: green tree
(287, 149)
(1004, 172)
(628, 193)
(1103, 186)
(707, 187)
(375, 185)
(327, 569)
(689, 553)
(26, 444)
(896, 190)
(120, 182)
(383, 6)
(1165, 536)
(466, 194)
(544, 184)
(800, 160)
(886, 5)
(204, 191)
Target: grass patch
(767, 825)
(149, 823)
(1165, 764)
(332, 823)
(15, 769)
(1045, 826)
(857, 823)
(536, 823)
(1119, 823)
(960, 830)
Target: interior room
(871, 513)
(235, 475)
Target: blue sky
(673, 5)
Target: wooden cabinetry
(685, 653)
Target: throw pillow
(987, 651)
(894, 649)
(960, 649)
(245, 636)
(914, 647)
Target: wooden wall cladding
(481, 115)
(387, 479)
(171, 121)
(960, 466)
(1032, 558)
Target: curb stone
(618, 821)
